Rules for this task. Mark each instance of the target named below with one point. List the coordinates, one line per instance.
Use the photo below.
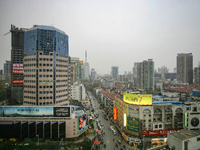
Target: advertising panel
(26, 111)
(158, 132)
(17, 68)
(115, 113)
(133, 124)
(83, 123)
(61, 111)
(17, 81)
(37, 111)
(137, 99)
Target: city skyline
(114, 33)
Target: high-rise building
(197, 75)
(135, 73)
(114, 71)
(17, 55)
(185, 68)
(86, 70)
(76, 70)
(93, 74)
(46, 67)
(7, 67)
(198, 63)
(145, 74)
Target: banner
(137, 99)
(17, 68)
(34, 111)
(133, 124)
(115, 113)
(158, 132)
(17, 81)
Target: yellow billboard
(136, 99)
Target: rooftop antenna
(85, 56)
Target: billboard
(133, 124)
(158, 132)
(137, 99)
(82, 123)
(37, 111)
(17, 68)
(115, 113)
(61, 111)
(17, 81)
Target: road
(109, 138)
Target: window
(195, 109)
(160, 125)
(198, 138)
(156, 126)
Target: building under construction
(17, 46)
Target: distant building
(163, 70)
(17, 55)
(198, 63)
(76, 70)
(185, 68)
(175, 70)
(145, 74)
(170, 75)
(135, 74)
(93, 74)
(46, 67)
(78, 92)
(1, 72)
(114, 71)
(197, 75)
(86, 70)
(7, 67)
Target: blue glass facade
(46, 39)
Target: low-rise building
(184, 140)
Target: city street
(109, 138)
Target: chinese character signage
(17, 81)
(17, 68)
(133, 124)
(137, 99)
(61, 111)
(115, 113)
(158, 132)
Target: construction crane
(6, 33)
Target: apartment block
(185, 68)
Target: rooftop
(185, 134)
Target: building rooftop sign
(137, 99)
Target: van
(114, 132)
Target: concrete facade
(185, 68)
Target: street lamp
(38, 139)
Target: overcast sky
(113, 32)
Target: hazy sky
(113, 32)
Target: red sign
(17, 81)
(115, 113)
(158, 132)
(17, 68)
(96, 142)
